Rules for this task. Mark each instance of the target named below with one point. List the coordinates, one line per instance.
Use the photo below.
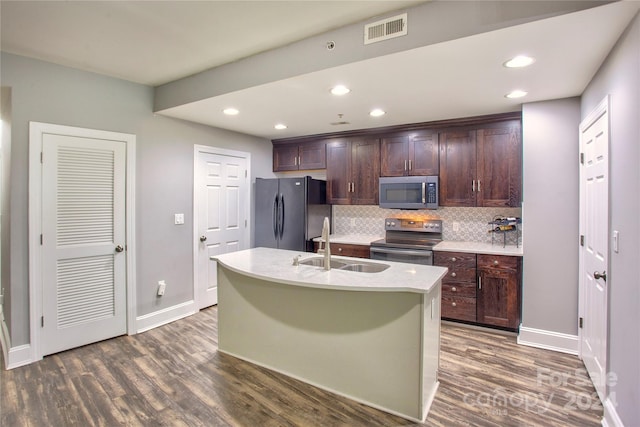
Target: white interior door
(83, 241)
(594, 200)
(222, 206)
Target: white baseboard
(611, 417)
(549, 340)
(164, 316)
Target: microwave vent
(385, 29)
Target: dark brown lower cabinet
(498, 302)
(481, 289)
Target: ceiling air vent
(388, 28)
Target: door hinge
(582, 158)
(582, 240)
(245, 223)
(42, 321)
(41, 157)
(245, 173)
(580, 322)
(41, 240)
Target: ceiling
(158, 42)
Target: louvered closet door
(84, 282)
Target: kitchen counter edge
(479, 248)
(276, 265)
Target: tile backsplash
(472, 222)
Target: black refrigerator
(289, 212)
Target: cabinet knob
(495, 262)
(453, 274)
(453, 289)
(453, 304)
(453, 259)
(339, 249)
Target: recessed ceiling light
(377, 113)
(519, 61)
(340, 90)
(516, 94)
(230, 111)
(280, 126)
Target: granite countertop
(277, 265)
(352, 239)
(479, 248)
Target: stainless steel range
(408, 240)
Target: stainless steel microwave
(409, 192)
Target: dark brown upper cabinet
(482, 166)
(410, 153)
(353, 171)
(303, 156)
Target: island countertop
(277, 265)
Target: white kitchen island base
(380, 348)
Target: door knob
(203, 238)
(602, 275)
(119, 248)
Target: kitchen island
(371, 337)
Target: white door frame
(36, 132)
(196, 201)
(601, 109)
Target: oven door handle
(425, 254)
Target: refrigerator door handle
(275, 216)
(281, 215)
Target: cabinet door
(457, 168)
(365, 171)
(499, 176)
(423, 154)
(338, 172)
(394, 156)
(497, 302)
(312, 155)
(285, 157)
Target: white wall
(619, 77)
(50, 93)
(550, 216)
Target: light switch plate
(616, 241)
(179, 219)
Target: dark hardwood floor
(173, 376)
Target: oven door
(411, 256)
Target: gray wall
(619, 76)
(5, 265)
(49, 93)
(550, 215)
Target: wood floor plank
(174, 376)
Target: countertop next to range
(479, 248)
(445, 246)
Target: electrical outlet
(161, 287)
(456, 226)
(179, 219)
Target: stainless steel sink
(361, 267)
(365, 268)
(319, 262)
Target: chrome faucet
(327, 247)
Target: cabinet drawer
(459, 308)
(346, 249)
(498, 262)
(454, 259)
(457, 274)
(457, 289)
